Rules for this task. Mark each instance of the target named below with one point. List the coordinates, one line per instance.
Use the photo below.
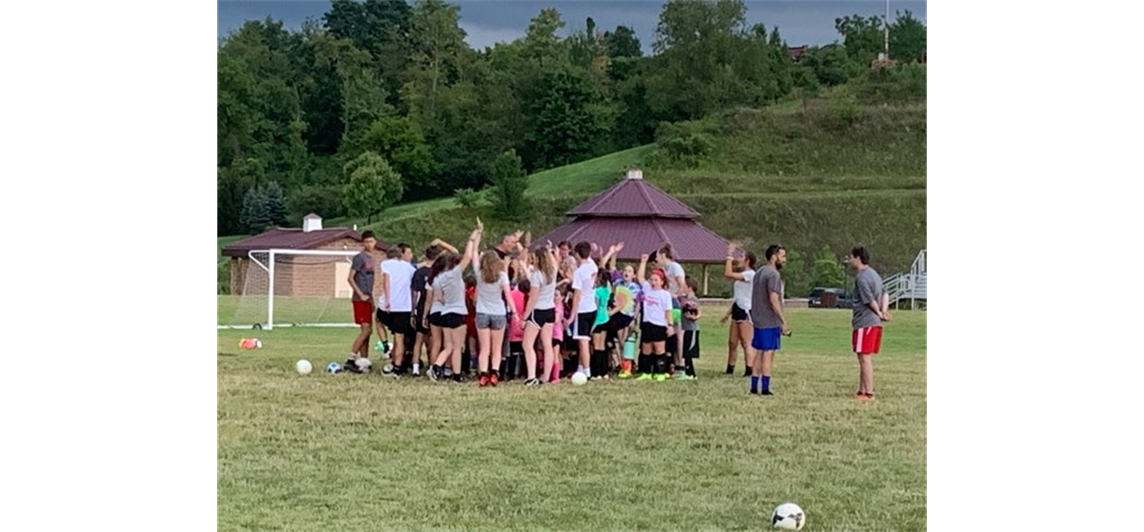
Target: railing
(910, 285)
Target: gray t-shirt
(490, 296)
(546, 297)
(687, 303)
(453, 287)
(767, 281)
(363, 268)
(867, 288)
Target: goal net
(289, 288)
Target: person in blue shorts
(767, 318)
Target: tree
(381, 29)
(829, 63)
(862, 37)
(360, 87)
(707, 59)
(275, 204)
(236, 113)
(541, 45)
(400, 142)
(255, 217)
(509, 183)
(622, 43)
(234, 184)
(907, 38)
(373, 186)
(829, 270)
(563, 126)
(437, 40)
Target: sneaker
(493, 380)
(625, 374)
(644, 377)
(416, 372)
(351, 366)
(659, 377)
(483, 380)
(434, 373)
(684, 377)
(765, 392)
(532, 382)
(458, 378)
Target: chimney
(635, 173)
(312, 222)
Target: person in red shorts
(361, 280)
(870, 310)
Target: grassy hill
(794, 174)
(789, 174)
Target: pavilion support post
(705, 292)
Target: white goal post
(292, 288)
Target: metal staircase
(910, 285)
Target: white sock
(416, 367)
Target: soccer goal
(290, 288)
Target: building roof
(796, 52)
(291, 238)
(634, 197)
(690, 241)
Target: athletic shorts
(542, 317)
(399, 323)
(867, 340)
(363, 312)
(491, 321)
(767, 339)
(452, 320)
(691, 344)
(582, 327)
(435, 319)
(516, 348)
(650, 332)
(738, 314)
(619, 322)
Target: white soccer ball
(303, 366)
(363, 364)
(579, 378)
(788, 516)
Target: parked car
(814, 300)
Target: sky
(487, 22)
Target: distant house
(295, 275)
(796, 52)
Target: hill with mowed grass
(813, 177)
(808, 176)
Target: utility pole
(886, 30)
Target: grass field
(353, 452)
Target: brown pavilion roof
(292, 238)
(634, 197)
(690, 241)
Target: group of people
(544, 314)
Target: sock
(661, 367)
(754, 384)
(416, 367)
(626, 365)
(690, 366)
(730, 369)
(766, 382)
(747, 371)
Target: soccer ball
(303, 366)
(579, 378)
(788, 516)
(334, 367)
(363, 364)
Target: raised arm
(642, 269)
(729, 266)
(611, 254)
(472, 245)
(444, 244)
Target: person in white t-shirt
(583, 303)
(397, 301)
(655, 326)
(540, 313)
(492, 314)
(741, 332)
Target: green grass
(349, 452)
(585, 178)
